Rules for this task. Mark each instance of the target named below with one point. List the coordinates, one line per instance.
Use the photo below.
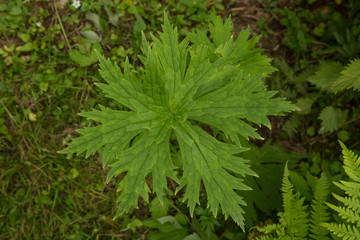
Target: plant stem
(61, 25)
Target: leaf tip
(63, 151)
(342, 145)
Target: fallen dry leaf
(60, 4)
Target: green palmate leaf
(241, 50)
(212, 80)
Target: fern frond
(298, 227)
(292, 124)
(268, 229)
(319, 213)
(267, 237)
(351, 164)
(294, 223)
(271, 230)
(322, 192)
(352, 203)
(350, 212)
(295, 215)
(346, 213)
(348, 232)
(351, 188)
(287, 194)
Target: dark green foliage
(333, 78)
(292, 124)
(297, 37)
(268, 162)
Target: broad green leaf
(331, 119)
(113, 17)
(15, 10)
(27, 47)
(350, 77)
(92, 36)
(159, 209)
(45, 200)
(94, 18)
(87, 58)
(326, 75)
(304, 104)
(139, 24)
(24, 36)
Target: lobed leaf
(213, 80)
